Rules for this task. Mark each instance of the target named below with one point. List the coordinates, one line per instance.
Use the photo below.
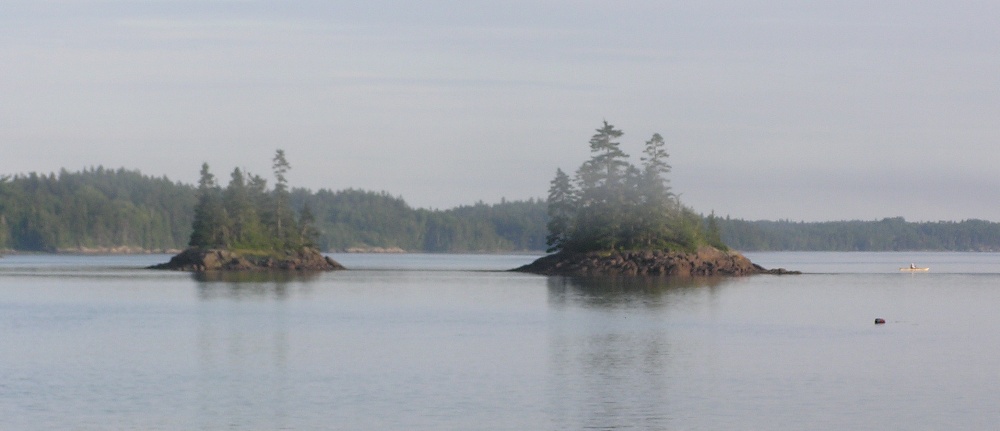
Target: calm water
(446, 342)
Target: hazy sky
(801, 110)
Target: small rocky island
(198, 260)
(614, 218)
(706, 262)
(247, 227)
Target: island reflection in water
(252, 284)
(90, 342)
(622, 344)
(627, 291)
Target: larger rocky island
(198, 260)
(614, 218)
(706, 262)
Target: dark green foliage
(363, 219)
(890, 234)
(246, 217)
(617, 206)
(517, 225)
(97, 208)
(105, 209)
(561, 211)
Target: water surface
(450, 342)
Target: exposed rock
(706, 261)
(198, 260)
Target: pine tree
(209, 227)
(656, 209)
(601, 187)
(561, 210)
(283, 217)
(308, 234)
(247, 229)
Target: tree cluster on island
(612, 205)
(614, 218)
(247, 216)
(248, 227)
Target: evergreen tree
(247, 230)
(655, 167)
(656, 207)
(607, 155)
(283, 218)
(601, 188)
(713, 234)
(561, 210)
(210, 219)
(308, 234)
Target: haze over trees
(611, 204)
(889, 234)
(100, 209)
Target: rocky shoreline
(200, 260)
(706, 262)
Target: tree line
(365, 219)
(889, 234)
(100, 208)
(96, 208)
(103, 209)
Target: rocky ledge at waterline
(198, 260)
(706, 262)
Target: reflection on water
(614, 342)
(90, 347)
(256, 276)
(623, 291)
(264, 284)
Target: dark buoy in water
(879, 321)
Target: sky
(805, 111)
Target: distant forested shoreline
(120, 210)
(889, 234)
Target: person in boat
(912, 266)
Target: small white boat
(914, 268)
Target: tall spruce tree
(657, 200)
(209, 227)
(284, 220)
(247, 229)
(308, 233)
(561, 210)
(601, 186)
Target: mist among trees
(100, 209)
(611, 204)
